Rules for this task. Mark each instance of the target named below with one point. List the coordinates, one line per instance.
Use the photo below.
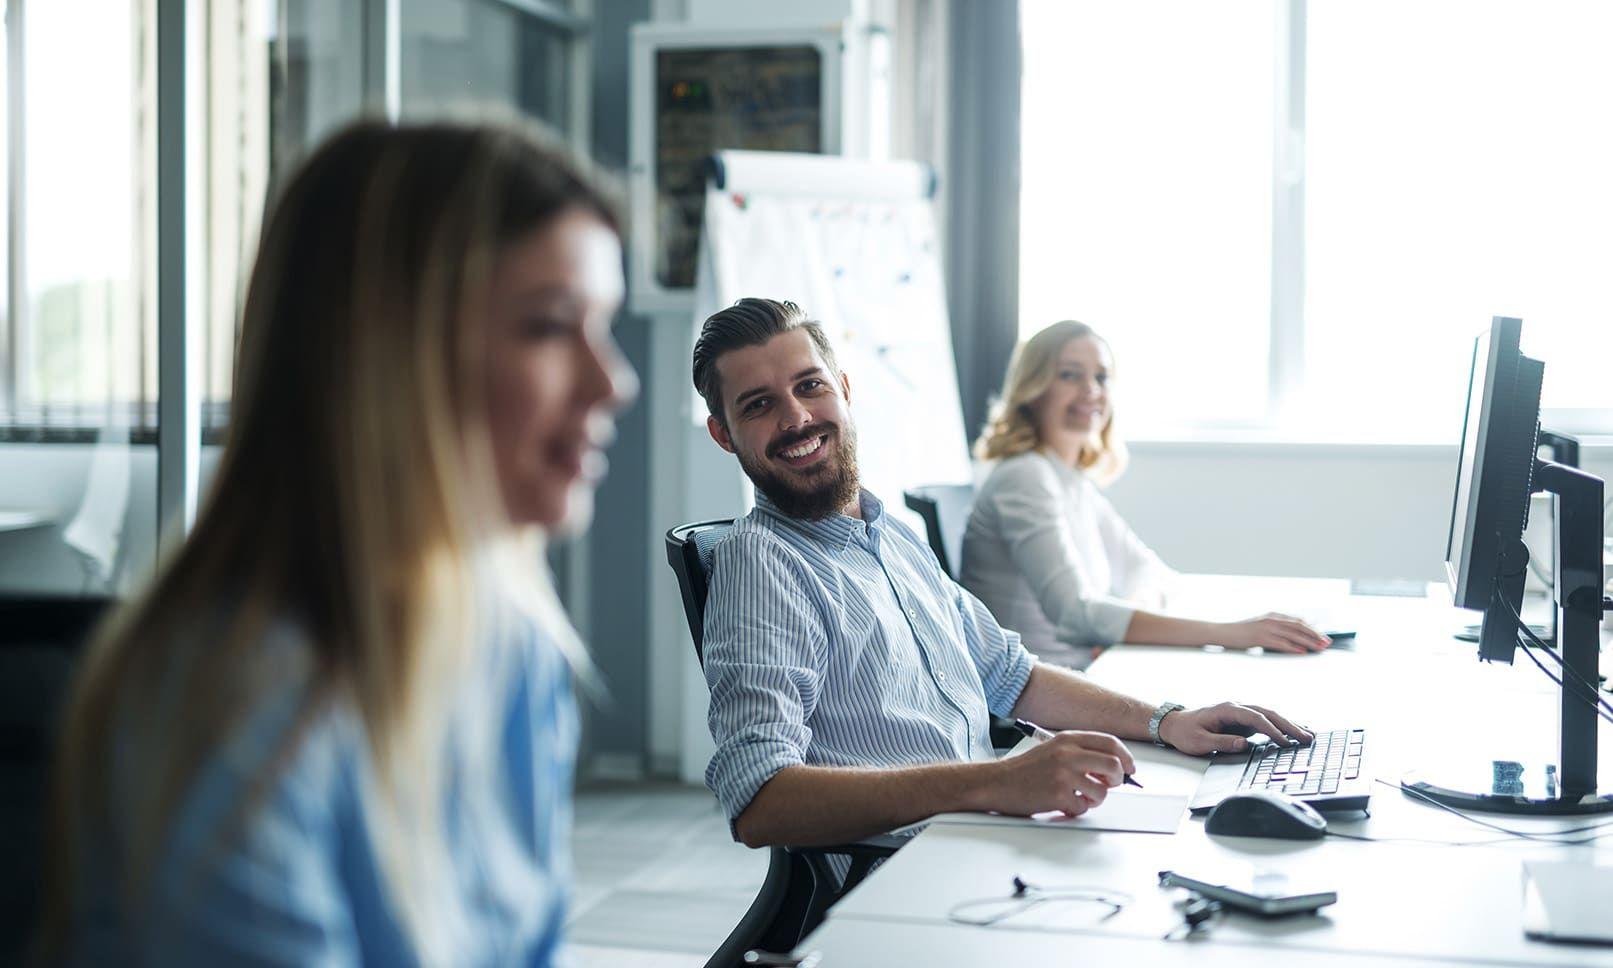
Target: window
(1464, 176)
(1296, 217)
(82, 180)
(1146, 190)
(267, 81)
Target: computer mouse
(1262, 813)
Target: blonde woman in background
(338, 727)
(1045, 550)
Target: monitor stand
(1569, 785)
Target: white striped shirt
(841, 642)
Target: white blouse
(1053, 559)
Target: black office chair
(800, 885)
(945, 510)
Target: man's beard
(826, 492)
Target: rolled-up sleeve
(764, 639)
(1001, 659)
(1031, 514)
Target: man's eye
(754, 405)
(807, 385)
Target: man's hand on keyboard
(1224, 728)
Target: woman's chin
(576, 512)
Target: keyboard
(1329, 774)
(1320, 768)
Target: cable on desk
(985, 912)
(1552, 837)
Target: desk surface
(21, 520)
(1405, 680)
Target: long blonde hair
(1011, 426)
(354, 499)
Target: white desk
(23, 520)
(1405, 680)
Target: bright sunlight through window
(1452, 159)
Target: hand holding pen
(1043, 735)
(1070, 771)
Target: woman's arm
(1278, 633)
(1031, 515)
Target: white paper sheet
(1123, 809)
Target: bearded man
(851, 680)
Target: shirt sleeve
(1031, 512)
(998, 655)
(764, 635)
(1140, 575)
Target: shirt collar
(836, 530)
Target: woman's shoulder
(1028, 471)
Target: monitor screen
(1485, 558)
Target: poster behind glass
(712, 99)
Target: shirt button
(941, 676)
(912, 613)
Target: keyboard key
(1330, 785)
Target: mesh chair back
(945, 510)
(689, 549)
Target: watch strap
(1164, 709)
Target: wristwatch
(1165, 709)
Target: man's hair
(750, 322)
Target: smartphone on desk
(1267, 893)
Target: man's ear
(719, 433)
(845, 387)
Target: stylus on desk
(1038, 733)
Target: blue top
(300, 882)
(840, 642)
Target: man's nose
(793, 414)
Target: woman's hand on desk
(1273, 632)
(1223, 728)
(1071, 772)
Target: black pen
(1038, 733)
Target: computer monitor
(1485, 557)
(1486, 561)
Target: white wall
(1319, 510)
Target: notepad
(1125, 809)
(1567, 902)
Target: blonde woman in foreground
(1045, 550)
(338, 727)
